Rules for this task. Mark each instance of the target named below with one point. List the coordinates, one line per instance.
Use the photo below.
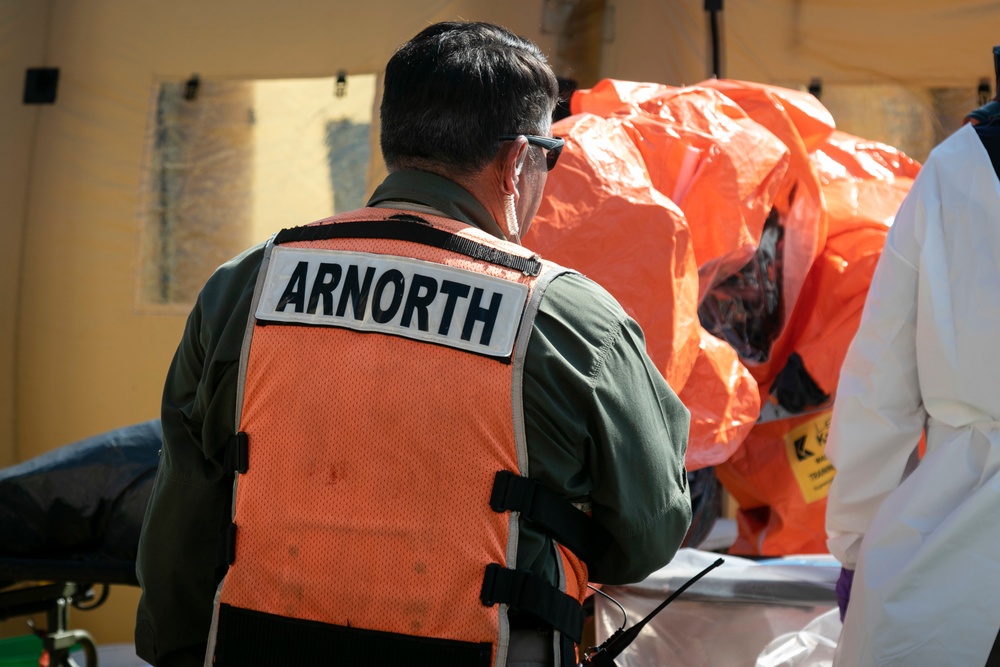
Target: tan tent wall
(919, 43)
(914, 43)
(22, 45)
(665, 42)
(89, 359)
(904, 73)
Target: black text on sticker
(394, 295)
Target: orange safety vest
(380, 397)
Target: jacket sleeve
(179, 557)
(605, 428)
(878, 414)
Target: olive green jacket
(602, 427)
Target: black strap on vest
(238, 453)
(557, 517)
(402, 227)
(237, 460)
(524, 591)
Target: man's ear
(513, 163)
(522, 156)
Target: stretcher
(30, 586)
(69, 529)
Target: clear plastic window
(228, 163)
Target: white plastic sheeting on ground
(812, 646)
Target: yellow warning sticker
(805, 446)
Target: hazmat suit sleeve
(878, 415)
(179, 551)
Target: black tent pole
(714, 8)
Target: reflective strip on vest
(380, 395)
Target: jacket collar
(451, 200)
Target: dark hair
(452, 90)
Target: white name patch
(393, 295)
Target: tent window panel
(231, 162)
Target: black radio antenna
(605, 654)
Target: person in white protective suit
(922, 539)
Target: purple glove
(844, 590)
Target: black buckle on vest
(526, 592)
(238, 453)
(559, 518)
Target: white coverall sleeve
(878, 414)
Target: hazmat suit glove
(844, 590)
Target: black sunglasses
(552, 145)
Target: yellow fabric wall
(925, 43)
(22, 45)
(910, 42)
(89, 357)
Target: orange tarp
(601, 216)
(605, 215)
(781, 491)
(739, 203)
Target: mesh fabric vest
(371, 456)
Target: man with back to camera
(418, 413)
